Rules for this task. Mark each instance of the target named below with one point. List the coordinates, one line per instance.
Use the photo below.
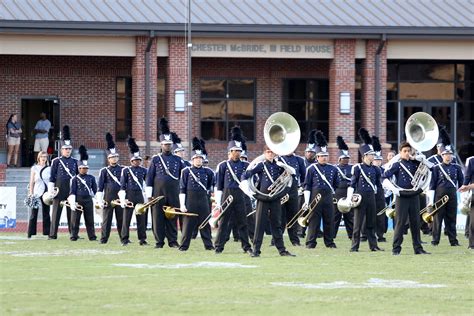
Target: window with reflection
(160, 102)
(123, 108)
(226, 103)
(308, 101)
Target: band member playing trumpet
(195, 183)
(446, 178)
(321, 178)
(109, 186)
(132, 181)
(344, 169)
(366, 182)
(407, 205)
(469, 185)
(63, 169)
(228, 177)
(268, 171)
(83, 189)
(163, 180)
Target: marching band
(280, 186)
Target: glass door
(443, 112)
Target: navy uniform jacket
(469, 178)
(345, 177)
(314, 181)
(437, 159)
(156, 171)
(79, 189)
(186, 163)
(128, 183)
(203, 174)
(403, 178)
(106, 181)
(359, 182)
(59, 173)
(308, 163)
(274, 171)
(298, 164)
(439, 180)
(224, 179)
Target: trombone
(427, 215)
(388, 210)
(214, 222)
(79, 207)
(283, 200)
(171, 212)
(299, 214)
(140, 208)
(128, 203)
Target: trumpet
(79, 207)
(214, 221)
(299, 214)
(48, 197)
(128, 203)
(171, 212)
(427, 215)
(283, 200)
(140, 208)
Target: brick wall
(3, 170)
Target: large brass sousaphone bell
(422, 131)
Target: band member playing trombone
(446, 178)
(108, 188)
(407, 205)
(63, 169)
(268, 171)
(163, 180)
(194, 185)
(344, 173)
(469, 185)
(321, 178)
(228, 177)
(132, 180)
(83, 188)
(365, 181)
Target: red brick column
(138, 96)
(341, 79)
(177, 78)
(3, 173)
(368, 90)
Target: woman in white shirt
(39, 178)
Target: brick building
(119, 66)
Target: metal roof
(299, 16)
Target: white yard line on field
(202, 264)
(61, 253)
(371, 283)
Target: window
(160, 102)
(226, 103)
(358, 98)
(123, 108)
(308, 101)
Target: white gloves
(218, 197)
(430, 195)
(182, 204)
(350, 192)
(121, 195)
(389, 186)
(149, 192)
(51, 187)
(72, 202)
(99, 196)
(307, 196)
(420, 157)
(290, 169)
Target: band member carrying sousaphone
(163, 180)
(195, 183)
(228, 177)
(83, 189)
(366, 182)
(132, 182)
(108, 188)
(63, 169)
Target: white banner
(7, 207)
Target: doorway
(31, 108)
(444, 113)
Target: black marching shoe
(209, 248)
(52, 237)
(422, 252)
(249, 251)
(455, 244)
(218, 251)
(125, 242)
(354, 250)
(182, 249)
(73, 238)
(158, 246)
(143, 243)
(331, 246)
(286, 253)
(382, 239)
(94, 238)
(174, 245)
(254, 254)
(376, 249)
(296, 244)
(395, 253)
(103, 241)
(434, 243)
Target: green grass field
(86, 278)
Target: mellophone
(66, 203)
